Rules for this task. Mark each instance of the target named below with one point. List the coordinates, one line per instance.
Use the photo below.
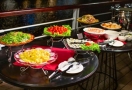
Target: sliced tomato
(57, 29)
(87, 44)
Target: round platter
(31, 38)
(93, 30)
(111, 26)
(52, 57)
(87, 19)
(80, 20)
(116, 43)
(76, 68)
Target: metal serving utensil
(70, 61)
(55, 72)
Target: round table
(35, 78)
(107, 65)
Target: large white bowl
(109, 34)
(122, 38)
(94, 30)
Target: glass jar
(122, 20)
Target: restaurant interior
(65, 44)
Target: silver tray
(68, 47)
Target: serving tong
(70, 61)
(56, 71)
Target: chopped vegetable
(87, 43)
(91, 47)
(36, 56)
(14, 37)
(64, 30)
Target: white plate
(93, 30)
(77, 68)
(116, 43)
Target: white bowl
(122, 38)
(109, 34)
(129, 37)
(130, 32)
(124, 31)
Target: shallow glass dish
(53, 56)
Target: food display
(16, 38)
(93, 30)
(75, 43)
(110, 25)
(64, 30)
(82, 44)
(35, 56)
(87, 19)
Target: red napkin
(63, 55)
(94, 37)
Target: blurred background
(40, 17)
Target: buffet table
(107, 71)
(36, 79)
(32, 78)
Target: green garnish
(15, 37)
(92, 47)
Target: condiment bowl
(129, 37)
(122, 38)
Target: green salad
(14, 37)
(91, 47)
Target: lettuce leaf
(14, 37)
(92, 47)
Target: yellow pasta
(35, 56)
